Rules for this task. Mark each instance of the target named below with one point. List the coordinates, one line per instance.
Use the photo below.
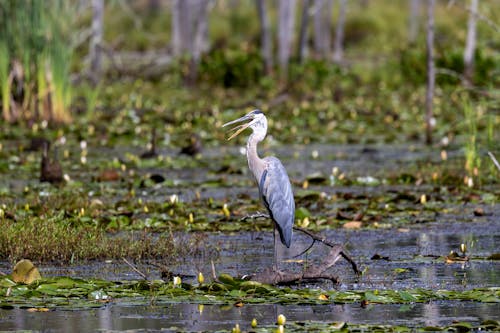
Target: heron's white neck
(255, 163)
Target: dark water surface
(414, 250)
(418, 248)
(194, 317)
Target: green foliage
(232, 68)
(359, 28)
(65, 292)
(472, 157)
(312, 74)
(36, 33)
(4, 78)
(413, 65)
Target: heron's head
(254, 119)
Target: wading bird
(274, 185)
(50, 169)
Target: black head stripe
(257, 111)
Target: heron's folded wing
(277, 195)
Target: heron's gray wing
(276, 192)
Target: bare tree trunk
(154, 5)
(176, 27)
(322, 27)
(200, 22)
(338, 49)
(190, 31)
(429, 119)
(265, 36)
(470, 45)
(199, 42)
(413, 20)
(182, 28)
(95, 48)
(285, 33)
(304, 25)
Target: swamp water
(411, 255)
(412, 263)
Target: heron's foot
(255, 216)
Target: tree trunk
(190, 32)
(470, 45)
(285, 33)
(413, 20)
(304, 25)
(429, 119)
(265, 36)
(200, 22)
(182, 29)
(322, 27)
(95, 48)
(338, 49)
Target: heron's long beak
(239, 128)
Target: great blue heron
(274, 185)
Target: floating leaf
(25, 272)
(301, 213)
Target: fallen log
(313, 272)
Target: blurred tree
(95, 48)
(322, 27)
(414, 17)
(429, 118)
(181, 26)
(190, 31)
(338, 49)
(470, 44)
(304, 24)
(265, 36)
(286, 21)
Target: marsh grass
(36, 37)
(4, 80)
(472, 156)
(48, 240)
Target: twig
(255, 216)
(144, 276)
(214, 275)
(323, 240)
(494, 160)
(315, 239)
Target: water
(418, 248)
(245, 253)
(193, 317)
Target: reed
(472, 157)
(4, 80)
(35, 34)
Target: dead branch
(148, 64)
(144, 276)
(323, 240)
(311, 273)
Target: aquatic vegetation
(38, 58)
(70, 293)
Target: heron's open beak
(239, 128)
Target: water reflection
(188, 317)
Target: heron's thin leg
(275, 264)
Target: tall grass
(35, 34)
(472, 157)
(4, 80)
